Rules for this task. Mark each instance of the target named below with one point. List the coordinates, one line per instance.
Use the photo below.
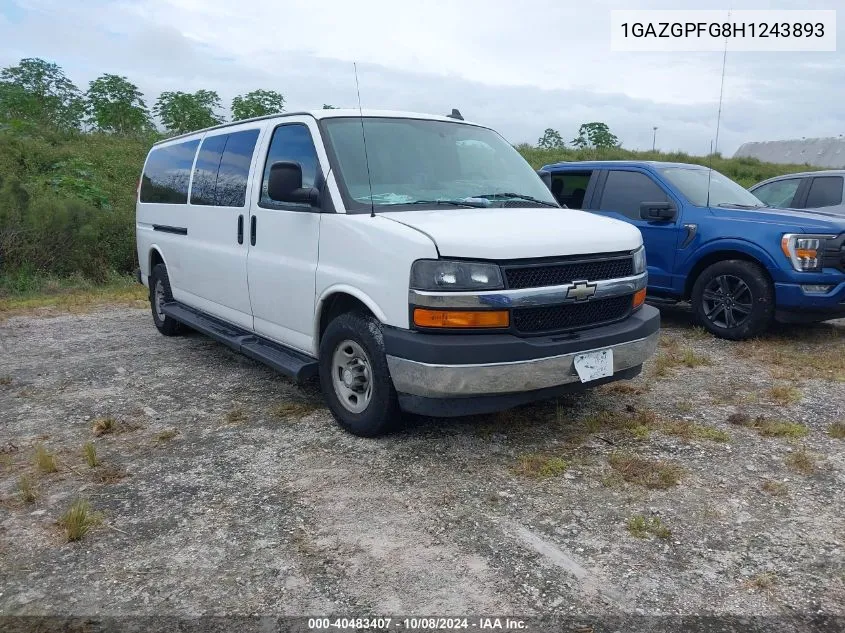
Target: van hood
(809, 221)
(508, 233)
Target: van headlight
(441, 274)
(806, 252)
(639, 260)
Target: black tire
(381, 411)
(734, 299)
(165, 324)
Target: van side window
(290, 142)
(222, 169)
(624, 191)
(234, 168)
(204, 186)
(168, 173)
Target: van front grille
(564, 272)
(571, 316)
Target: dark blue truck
(740, 263)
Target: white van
(414, 262)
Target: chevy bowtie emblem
(581, 290)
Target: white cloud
(520, 67)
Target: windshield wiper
(454, 203)
(516, 196)
(737, 205)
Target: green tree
(595, 134)
(37, 90)
(551, 139)
(257, 103)
(182, 112)
(116, 105)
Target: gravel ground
(225, 489)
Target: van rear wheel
(159, 295)
(354, 376)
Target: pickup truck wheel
(354, 376)
(159, 295)
(733, 299)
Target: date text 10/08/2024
(422, 623)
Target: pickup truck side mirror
(658, 211)
(285, 184)
(546, 177)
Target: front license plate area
(594, 365)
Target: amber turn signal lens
(639, 298)
(461, 318)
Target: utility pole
(654, 139)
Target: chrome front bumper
(446, 381)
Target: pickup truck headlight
(441, 274)
(806, 252)
(639, 260)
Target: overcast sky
(519, 67)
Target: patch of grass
(769, 428)
(78, 520)
(662, 364)
(765, 581)
(649, 473)
(166, 435)
(801, 352)
(108, 474)
(26, 489)
(690, 430)
(698, 333)
(294, 409)
(685, 406)
(44, 460)
(837, 430)
(691, 358)
(103, 426)
(90, 453)
(641, 527)
(775, 488)
(801, 461)
(784, 395)
(236, 416)
(73, 294)
(5, 380)
(637, 423)
(540, 466)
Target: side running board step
(291, 363)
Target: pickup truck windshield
(418, 164)
(724, 192)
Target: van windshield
(723, 192)
(419, 164)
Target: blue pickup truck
(740, 263)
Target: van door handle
(252, 224)
(240, 229)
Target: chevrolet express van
(413, 262)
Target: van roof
(324, 114)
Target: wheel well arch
(335, 304)
(719, 256)
(155, 259)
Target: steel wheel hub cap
(352, 376)
(159, 300)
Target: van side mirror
(658, 211)
(285, 184)
(546, 177)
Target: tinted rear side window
(234, 168)
(168, 173)
(291, 142)
(204, 187)
(825, 191)
(624, 191)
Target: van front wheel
(354, 376)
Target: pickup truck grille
(834, 255)
(557, 273)
(571, 316)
